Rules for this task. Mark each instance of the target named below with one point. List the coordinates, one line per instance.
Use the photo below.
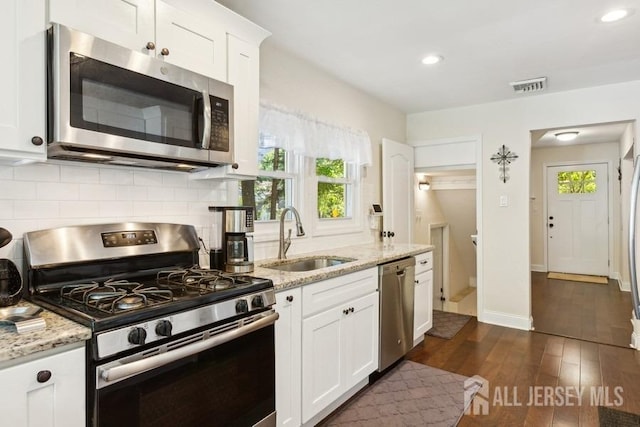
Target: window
(577, 182)
(334, 189)
(273, 189)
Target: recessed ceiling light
(432, 59)
(567, 136)
(614, 15)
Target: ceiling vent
(531, 85)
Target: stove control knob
(257, 302)
(242, 306)
(164, 328)
(137, 336)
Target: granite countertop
(59, 332)
(365, 256)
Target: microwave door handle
(206, 112)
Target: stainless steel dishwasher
(396, 289)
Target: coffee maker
(231, 243)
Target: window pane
(332, 200)
(330, 168)
(271, 159)
(577, 182)
(271, 196)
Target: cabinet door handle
(416, 281)
(43, 376)
(345, 311)
(351, 309)
(164, 51)
(37, 140)
(290, 298)
(150, 46)
(423, 262)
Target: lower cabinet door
(45, 392)
(361, 339)
(322, 379)
(423, 304)
(288, 357)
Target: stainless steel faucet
(285, 243)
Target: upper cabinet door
(128, 23)
(22, 81)
(198, 43)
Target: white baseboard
(541, 268)
(506, 320)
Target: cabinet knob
(150, 46)
(164, 51)
(43, 376)
(290, 298)
(416, 281)
(36, 140)
(345, 311)
(235, 166)
(351, 309)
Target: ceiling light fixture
(432, 59)
(614, 15)
(567, 136)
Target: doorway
(586, 236)
(440, 265)
(577, 200)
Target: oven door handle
(139, 366)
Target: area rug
(610, 417)
(446, 324)
(601, 280)
(411, 394)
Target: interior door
(397, 190)
(578, 219)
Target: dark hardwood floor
(513, 361)
(587, 311)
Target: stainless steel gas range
(172, 344)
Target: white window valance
(302, 134)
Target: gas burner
(199, 279)
(115, 296)
(130, 302)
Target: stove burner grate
(115, 296)
(199, 279)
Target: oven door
(222, 376)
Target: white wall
(504, 231)
(46, 195)
(291, 82)
(626, 166)
(608, 152)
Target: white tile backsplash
(86, 175)
(56, 191)
(40, 196)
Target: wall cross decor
(503, 158)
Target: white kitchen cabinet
(129, 23)
(423, 296)
(190, 40)
(243, 61)
(49, 391)
(22, 81)
(288, 357)
(339, 339)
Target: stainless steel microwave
(111, 105)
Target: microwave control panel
(219, 140)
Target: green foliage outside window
(577, 182)
(331, 196)
(267, 194)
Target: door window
(577, 182)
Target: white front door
(578, 219)
(397, 190)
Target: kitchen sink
(307, 264)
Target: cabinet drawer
(320, 296)
(424, 262)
